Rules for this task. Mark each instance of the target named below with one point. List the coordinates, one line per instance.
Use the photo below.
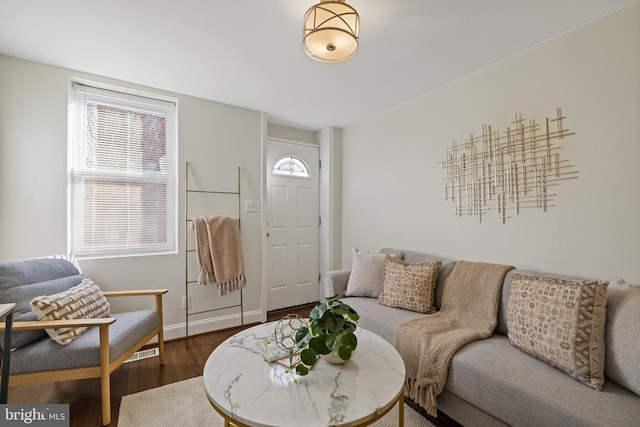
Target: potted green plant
(332, 324)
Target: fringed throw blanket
(219, 253)
(468, 312)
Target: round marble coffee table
(248, 391)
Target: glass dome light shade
(331, 30)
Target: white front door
(293, 228)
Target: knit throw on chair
(469, 311)
(219, 253)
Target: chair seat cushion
(47, 355)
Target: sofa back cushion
(445, 268)
(501, 327)
(21, 281)
(622, 363)
(409, 286)
(367, 273)
(561, 322)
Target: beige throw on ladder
(468, 312)
(219, 253)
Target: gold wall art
(507, 171)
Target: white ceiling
(248, 52)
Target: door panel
(278, 274)
(305, 208)
(278, 207)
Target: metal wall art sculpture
(507, 171)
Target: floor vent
(143, 354)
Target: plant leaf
(350, 340)
(333, 341)
(308, 356)
(318, 344)
(302, 337)
(318, 311)
(341, 308)
(302, 370)
(330, 323)
(314, 329)
(344, 353)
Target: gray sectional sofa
(492, 383)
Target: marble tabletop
(244, 387)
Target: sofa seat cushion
(379, 318)
(45, 354)
(520, 390)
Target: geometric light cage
(331, 30)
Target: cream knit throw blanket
(469, 311)
(219, 253)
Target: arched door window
(291, 166)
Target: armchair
(108, 342)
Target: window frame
(295, 159)
(137, 101)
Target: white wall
(291, 134)
(214, 137)
(330, 140)
(391, 179)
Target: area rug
(184, 404)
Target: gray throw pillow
(367, 273)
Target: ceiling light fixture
(331, 30)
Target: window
(122, 174)
(291, 166)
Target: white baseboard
(208, 325)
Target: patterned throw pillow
(367, 268)
(83, 301)
(409, 286)
(561, 322)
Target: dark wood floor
(83, 396)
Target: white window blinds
(122, 197)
